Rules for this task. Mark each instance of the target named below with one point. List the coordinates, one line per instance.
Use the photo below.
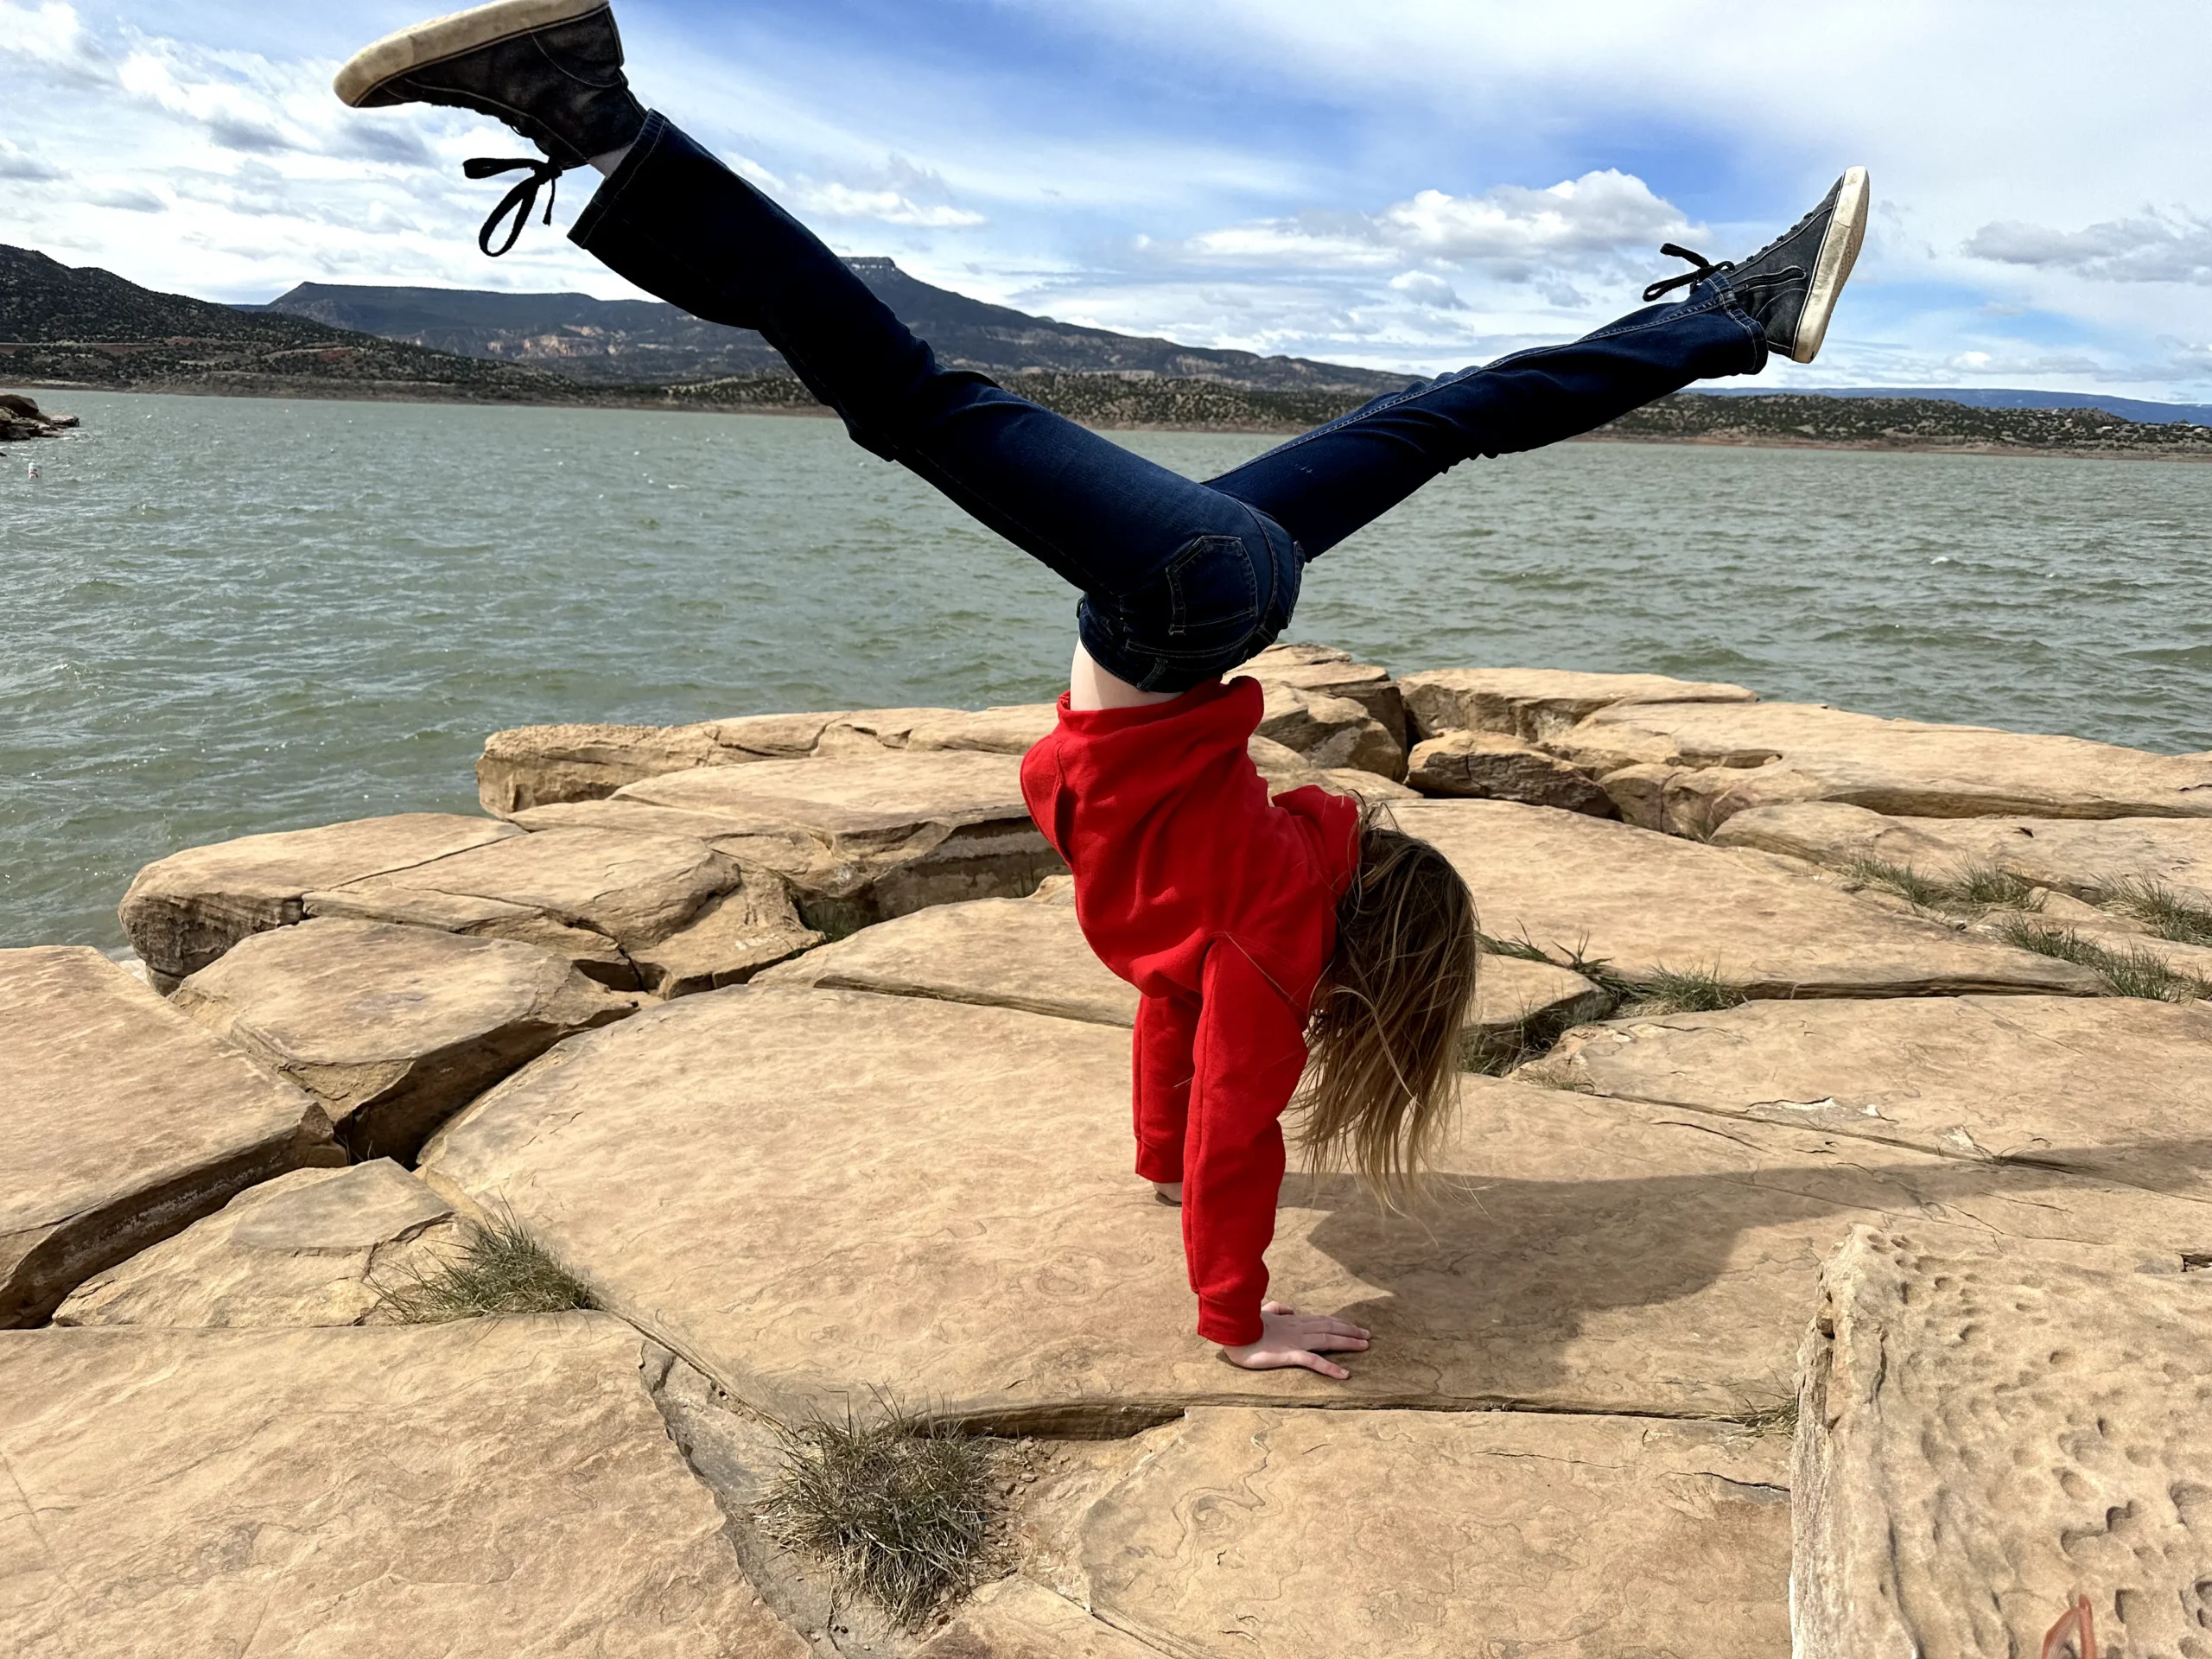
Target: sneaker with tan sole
(1789, 286)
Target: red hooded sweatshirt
(1219, 906)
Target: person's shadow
(1676, 1292)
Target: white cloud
(16, 162)
(2153, 247)
(833, 199)
(1426, 287)
(1509, 231)
(53, 35)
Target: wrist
(1230, 1327)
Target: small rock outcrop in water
(21, 417)
(779, 1036)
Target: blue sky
(1412, 184)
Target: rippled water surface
(224, 616)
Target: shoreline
(392, 393)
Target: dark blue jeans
(1180, 580)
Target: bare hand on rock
(1291, 1338)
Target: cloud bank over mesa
(1410, 184)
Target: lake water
(224, 616)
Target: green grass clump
(2169, 914)
(1974, 891)
(1524, 948)
(1694, 990)
(501, 1268)
(902, 1511)
(2132, 972)
(1779, 1420)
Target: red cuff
(1232, 1327)
(1160, 1163)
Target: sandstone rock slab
(808, 1193)
(184, 911)
(1645, 903)
(1331, 732)
(1277, 1533)
(1285, 769)
(1005, 953)
(2082, 857)
(531, 766)
(1719, 759)
(1983, 1436)
(537, 766)
(308, 1248)
(1537, 703)
(1010, 729)
(1015, 1618)
(1334, 673)
(1024, 954)
(867, 837)
(633, 910)
(2116, 1088)
(121, 1121)
(1491, 765)
(393, 1029)
(493, 1488)
(1519, 1003)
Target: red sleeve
(1250, 1053)
(1166, 1030)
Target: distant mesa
(73, 327)
(624, 341)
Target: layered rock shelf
(1828, 1201)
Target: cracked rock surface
(184, 911)
(1030, 954)
(2078, 856)
(1769, 753)
(1493, 767)
(393, 1029)
(121, 1121)
(1287, 1533)
(497, 1487)
(305, 1249)
(1329, 672)
(808, 1193)
(602, 899)
(1984, 1434)
(860, 837)
(1537, 703)
(2114, 1087)
(1644, 902)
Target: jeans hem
(605, 200)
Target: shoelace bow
(520, 200)
(1705, 268)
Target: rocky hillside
(519, 1232)
(1903, 423)
(624, 342)
(82, 326)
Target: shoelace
(1705, 268)
(519, 200)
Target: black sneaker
(551, 69)
(1789, 286)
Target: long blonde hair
(1393, 1004)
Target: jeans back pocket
(1205, 601)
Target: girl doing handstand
(1271, 940)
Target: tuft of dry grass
(2169, 914)
(1670, 990)
(1972, 892)
(499, 1268)
(2131, 972)
(901, 1510)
